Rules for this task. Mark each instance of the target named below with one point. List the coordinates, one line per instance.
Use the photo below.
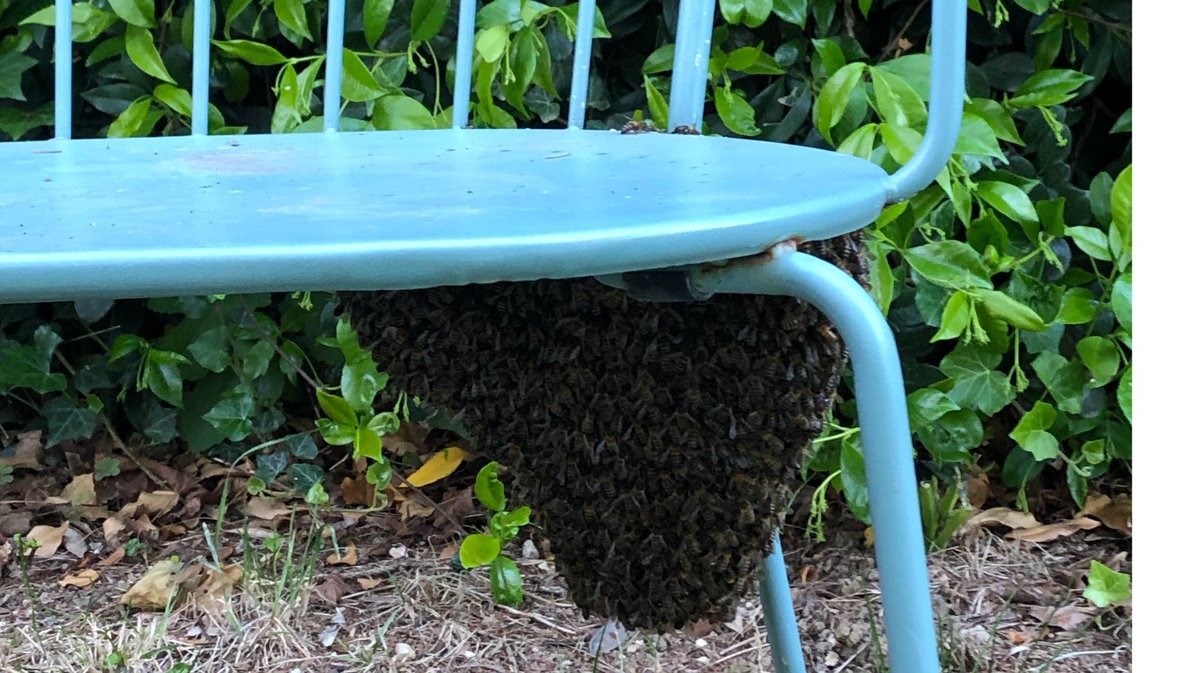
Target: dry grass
(416, 614)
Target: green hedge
(1008, 281)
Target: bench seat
(404, 209)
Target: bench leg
(887, 444)
(776, 595)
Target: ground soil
(1002, 606)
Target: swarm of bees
(655, 442)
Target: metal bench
(203, 214)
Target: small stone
(529, 550)
(404, 652)
(701, 643)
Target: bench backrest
(693, 38)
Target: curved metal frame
(887, 447)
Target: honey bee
(685, 130)
(638, 126)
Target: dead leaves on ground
(1113, 513)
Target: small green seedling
(484, 548)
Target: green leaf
(929, 404)
(1106, 586)
(87, 22)
(291, 14)
(952, 264)
(399, 112)
(735, 112)
(28, 366)
(1031, 432)
(901, 142)
(12, 67)
(268, 466)
(1125, 394)
(1122, 216)
(175, 98)
(794, 12)
(286, 115)
(951, 438)
(1102, 358)
(490, 43)
(854, 477)
(384, 423)
(337, 409)
(302, 446)
(1091, 241)
(976, 136)
(368, 444)
(163, 378)
(358, 84)
(1048, 87)
(977, 384)
(1122, 300)
(860, 142)
(506, 582)
(139, 44)
(660, 60)
(478, 550)
(1009, 200)
(211, 349)
(657, 103)
(125, 344)
(488, 488)
(1066, 380)
(66, 421)
(136, 12)
(380, 474)
(335, 433)
(1078, 307)
(835, 96)
(428, 16)
(955, 317)
(375, 18)
(305, 476)
(232, 415)
(130, 121)
(898, 103)
(106, 467)
(254, 53)
(1011, 311)
(257, 359)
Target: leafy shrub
(1008, 282)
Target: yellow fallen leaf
(81, 490)
(82, 579)
(439, 466)
(156, 588)
(368, 583)
(152, 504)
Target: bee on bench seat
(638, 126)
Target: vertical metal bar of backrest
(582, 65)
(333, 64)
(463, 58)
(201, 48)
(689, 78)
(947, 81)
(62, 68)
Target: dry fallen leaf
(358, 491)
(1004, 516)
(332, 589)
(213, 592)
(437, 467)
(348, 557)
(368, 583)
(607, 638)
(75, 543)
(15, 523)
(410, 508)
(1054, 531)
(1067, 618)
(81, 579)
(156, 588)
(266, 508)
(81, 490)
(113, 558)
(1115, 513)
(112, 527)
(26, 455)
(977, 490)
(151, 504)
(49, 539)
(1020, 637)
